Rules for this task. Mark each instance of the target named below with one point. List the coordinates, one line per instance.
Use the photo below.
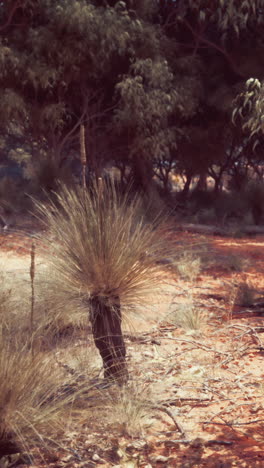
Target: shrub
(105, 255)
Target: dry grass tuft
(236, 263)
(189, 266)
(187, 315)
(129, 411)
(185, 312)
(245, 294)
(39, 399)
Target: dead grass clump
(190, 318)
(188, 266)
(245, 294)
(185, 312)
(129, 411)
(187, 315)
(236, 263)
(5, 297)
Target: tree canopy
(152, 81)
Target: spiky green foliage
(102, 246)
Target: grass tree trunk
(108, 338)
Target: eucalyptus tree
(226, 37)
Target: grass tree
(108, 257)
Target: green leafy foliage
(249, 110)
(167, 74)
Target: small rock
(159, 459)
(171, 443)
(197, 443)
(97, 459)
(137, 445)
(197, 371)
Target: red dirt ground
(211, 380)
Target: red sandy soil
(210, 380)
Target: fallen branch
(141, 339)
(169, 413)
(249, 331)
(219, 442)
(198, 345)
(179, 401)
(255, 421)
(175, 442)
(234, 424)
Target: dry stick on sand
(198, 345)
(167, 411)
(248, 330)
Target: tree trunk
(142, 173)
(257, 212)
(186, 188)
(202, 182)
(108, 338)
(217, 186)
